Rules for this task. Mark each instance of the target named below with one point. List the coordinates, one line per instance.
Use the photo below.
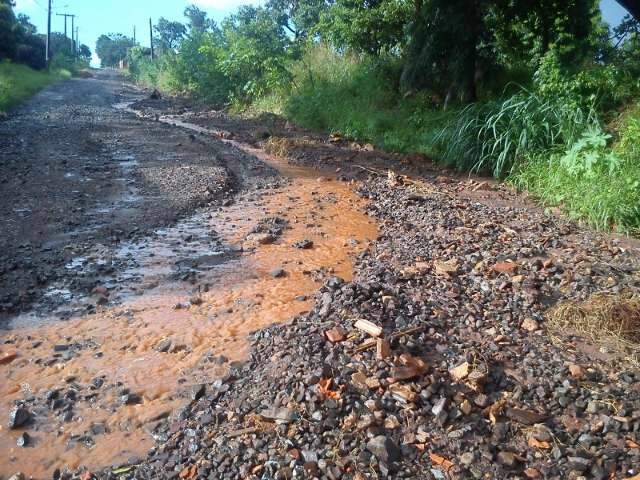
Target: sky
(95, 17)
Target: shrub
(592, 180)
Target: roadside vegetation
(544, 95)
(19, 82)
(23, 68)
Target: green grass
(598, 183)
(497, 136)
(355, 96)
(606, 201)
(19, 82)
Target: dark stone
(19, 417)
(23, 440)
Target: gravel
(463, 381)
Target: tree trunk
(470, 92)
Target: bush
(356, 95)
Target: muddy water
(118, 347)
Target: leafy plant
(589, 156)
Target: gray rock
(278, 273)
(19, 417)
(163, 345)
(579, 463)
(23, 440)
(279, 415)
(303, 244)
(384, 449)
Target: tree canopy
(113, 48)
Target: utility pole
(65, 15)
(134, 34)
(77, 41)
(73, 34)
(151, 37)
(48, 47)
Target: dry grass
(611, 319)
(278, 146)
(284, 147)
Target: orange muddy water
(119, 344)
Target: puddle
(223, 288)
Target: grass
(606, 201)
(355, 97)
(496, 136)
(598, 183)
(19, 82)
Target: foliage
(604, 86)
(355, 96)
(18, 82)
(452, 44)
(493, 137)
(525, 30)
(243, 60)
(113, 48)
(366, 26)
(9, 28)
(593, 179)
(170, 34)
(299, 18)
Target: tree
(527, 29)
(8, 30)
(452, 42)
(169, 34)
(112, 48)
(84, 53)
(255, 51)
(298, 17)
(444, 47)
(370, 26)
(198, 21)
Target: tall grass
(549, 145)
(357, 97)
(19, 82)
(592, 180)
(495, 136)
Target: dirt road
(189, 294)
(136, 258)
